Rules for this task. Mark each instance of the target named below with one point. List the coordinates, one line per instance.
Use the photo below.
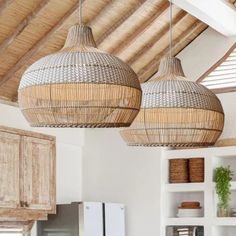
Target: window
(222, 76)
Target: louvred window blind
(222, 77)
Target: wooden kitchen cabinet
(38, 173)
(27, 175)
(9, 170)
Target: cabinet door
(115, 219)
(39, 173)
(91, 219)
(9, 170)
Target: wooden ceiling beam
(36, 48)
(24, 23)
(157, 37)
(4, 4)
(130, 39)
(115, 24)
(154, 49)
(7, 101)
(215, 13)
(224, 90)
(147, 10)
(148, 71)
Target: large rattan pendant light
(175, 111)
(79, 86)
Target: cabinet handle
(22, 204)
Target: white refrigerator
(85, 219)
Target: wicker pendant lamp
(79, 86)
(175, 111)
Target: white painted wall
(202, 54)
(69, 154)
(113, 172)
(228, 101)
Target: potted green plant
(222, 178)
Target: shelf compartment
(183, 230)
(225, 161)
(174, 200)
(204, 192)
(232, 203)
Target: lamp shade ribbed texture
(79, 86)
(175, 112)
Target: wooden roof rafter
(22, 25)
(119, 21)
(158, 36)
(37, 46)
(149, 71)
(149, 9)
(129, 29)
(130, 39)
(4, 4)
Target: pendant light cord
(170, 22)
(80, 13)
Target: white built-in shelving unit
(174, 194)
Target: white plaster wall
(204, 52)
(113, 172)
(228, 101)
(11, 116)
(69, 154)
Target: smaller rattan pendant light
(175, 111)
(79, 86)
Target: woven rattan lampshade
(175, 111)
(79, 86)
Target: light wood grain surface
(28, 173)
(134, 30)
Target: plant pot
(222, 212)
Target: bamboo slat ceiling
(134, 30)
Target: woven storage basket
(196, 170)
(178, 171)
